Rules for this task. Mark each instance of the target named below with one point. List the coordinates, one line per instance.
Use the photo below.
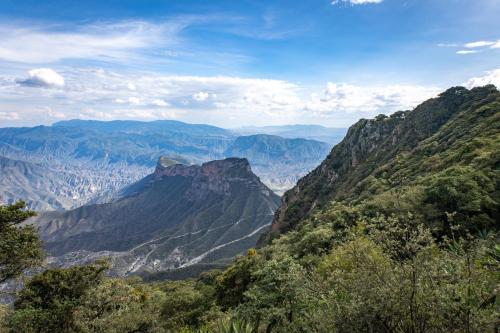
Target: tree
(231, 285)
(20, 247)
(50, 300)
(187, 304)
(118, 306)
(278, 295)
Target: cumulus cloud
(43, 77)
(369, 99)
(134, 100)
(130, 101)
(159, 102)
(9, 115)
(356, 2)
(224, 101)
(490, 77)
(200, 96)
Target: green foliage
(20, 247)
(118, 305)
(49, 301)
(233, 325)
(277, 295)
(82, 300)
(462, 196)
(434, 291)
(231, 285)
(5, 313)
(187, 304)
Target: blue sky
(238, 63)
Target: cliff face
(215, 177)
(371, 144)
(179, 216)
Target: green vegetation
(20, 247)
(397, 231)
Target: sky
(239, 63)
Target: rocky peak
(215, 176)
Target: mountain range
(312, 132)
(76, 162)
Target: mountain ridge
(369, 145)
(182, 215)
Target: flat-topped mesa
(233, 168)
(217, 176)
(175, 170)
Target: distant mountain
(140, 127)
(178, 217)
(313, 132)
(281, 162)
(45, 188)
(103, 157)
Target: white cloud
(463, 52)
(481, 43)
(131, 86)
(447, 45)
(490, 77)
(129, 100)
(159, 102)
(52, 113)
(473, 47)
(9, 115)
(369, 99)
(134, 100)
(357, 2)
(110, 41)
(43, 77)
(226, 101)
(200, 96)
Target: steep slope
(460, 128)
(122, 152)
(179, 216)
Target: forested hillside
(396, 231)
